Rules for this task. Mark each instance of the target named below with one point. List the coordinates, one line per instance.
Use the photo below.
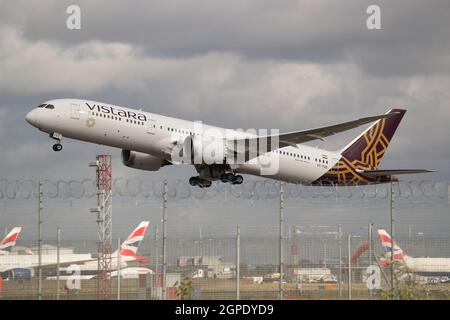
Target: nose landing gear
(57, 146)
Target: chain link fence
(205, 254)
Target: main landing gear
(230, 177)
(225, 177)
(202, 183)
(57, 146)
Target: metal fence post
(391, 202)
(280, 287)
(340, 260)
(40, 241)
(370, 251)
(164, 260)
(349, 262)
(58, 248)
(156, 249)
(119, 267)
(238, 262)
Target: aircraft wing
(246, 145)
(380, 173)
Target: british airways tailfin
(10, 240)
(129, 248)
(385, 238)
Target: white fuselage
(32, 261)
(156, 134)
(428, 266)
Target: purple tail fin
(366, 151)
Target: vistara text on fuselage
(150, 141)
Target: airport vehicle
(199, 273)
(10, 241)
(150, 141)
(429, 267)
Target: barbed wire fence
(250, 189)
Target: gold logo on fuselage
(90, 122)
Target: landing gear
(238, 179)
(230, 177)
(57, 147)
(202, 183)
(227, 177)
(56, 136)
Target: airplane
(423, 266)
(150, 141)
(10, 241)
(23, 266)
(128, 253)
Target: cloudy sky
(287, 64)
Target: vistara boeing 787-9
(150, 141)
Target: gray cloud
(304, 30)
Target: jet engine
(142, 161)
(18, 274)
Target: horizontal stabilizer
(380, 173)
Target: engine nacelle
(19, 274)
(143, 161)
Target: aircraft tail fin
(385, 239)
(10, 240)
(366, 150)
(130, 246)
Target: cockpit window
(50, 106)
(41, 105)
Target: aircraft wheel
(207, 184)
(57, 147)
(193, 181)
(227, 177)
(238, 179)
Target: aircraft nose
(31, 117)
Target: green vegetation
(405, 287)
(185, 289)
